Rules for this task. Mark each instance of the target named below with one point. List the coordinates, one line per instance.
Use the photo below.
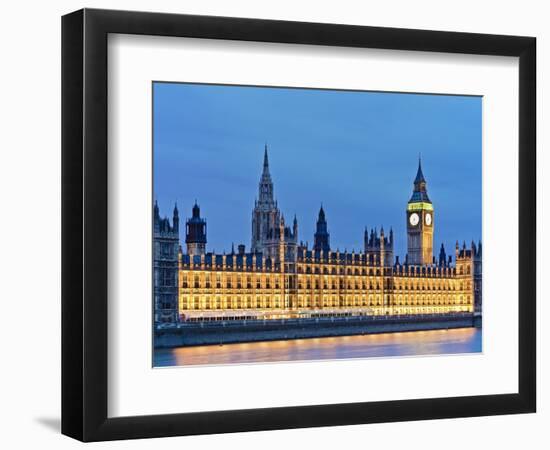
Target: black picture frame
(84, 224)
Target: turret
(156, 210)
(176, 218)
(379, 247)
(442, 256)
(195, 236)
(321, 239)
(161, 225)
(156, 218)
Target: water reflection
(434, 342)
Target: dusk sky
(354, 152)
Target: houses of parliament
(281, 277)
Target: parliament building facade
(281, 277)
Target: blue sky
(354, 152)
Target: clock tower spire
(420, 222)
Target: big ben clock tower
(420, 223)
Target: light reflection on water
(433, 342)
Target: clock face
(414, 219)
(428, 219)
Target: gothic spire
(265, 214)
(266, 161)
(419, 175)
(442, 256)
(176, 218)
(321, 238)
(196, 210)
(420, 193)
(321, 214)
(265, 196)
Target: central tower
(265, 215)
(420, 223)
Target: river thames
(414, 343)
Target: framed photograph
(273, 224)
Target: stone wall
(226, 332)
